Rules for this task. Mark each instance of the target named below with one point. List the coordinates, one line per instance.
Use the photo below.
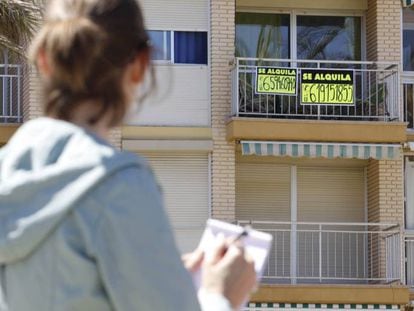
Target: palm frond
(19, 19)
(6, 44)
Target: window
(408, 39)
(408, 66)
(262, 35)
(190, 47)
(329, 37)
(180, 47)
(161, 41)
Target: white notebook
(256, 243)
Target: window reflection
(161, 41)
(262, 35)
(329, 37)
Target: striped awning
(407, 3)
(317, 307)
(321, 150)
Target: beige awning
(321, 150)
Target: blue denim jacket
(82, 227)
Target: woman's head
(85, 47)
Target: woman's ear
(43, 63)
(139, 66)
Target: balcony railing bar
(344, 62)
(10, 75)
(329, 231)
(11, 93)
(331, 278)
(345, 224)
(248, 69)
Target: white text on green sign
(278, 81)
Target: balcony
(333, 253)
(373, 113)
(409, 254)
(376, 92)
(10, 94)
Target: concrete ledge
(346, 294)
(410, 135)
(313, 130)
(168, 145)
(7, 131)
(166, 132)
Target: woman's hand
(227, 270)
(192, 261)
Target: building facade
(293, 116)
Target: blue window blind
(190, 47)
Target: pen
(242, 234)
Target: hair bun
(72, 46)
(87, 45)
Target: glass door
(328, 37)
(261, 35)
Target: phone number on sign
(276, 84)
(340, 94)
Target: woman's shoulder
(134, 180)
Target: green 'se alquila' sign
(273, 80)
(327, 87)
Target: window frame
(294, 13)
(407, 75)
(270, 13)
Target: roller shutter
(181, 98)
(263, 194)
(190, 15)
(335, 195)
(184, 178)
(331, 194)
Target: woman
(82, 225)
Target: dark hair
(88, 44)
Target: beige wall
(223, 158)
(33, 95)
(115, 137)
(384, 30)
(386, 191)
